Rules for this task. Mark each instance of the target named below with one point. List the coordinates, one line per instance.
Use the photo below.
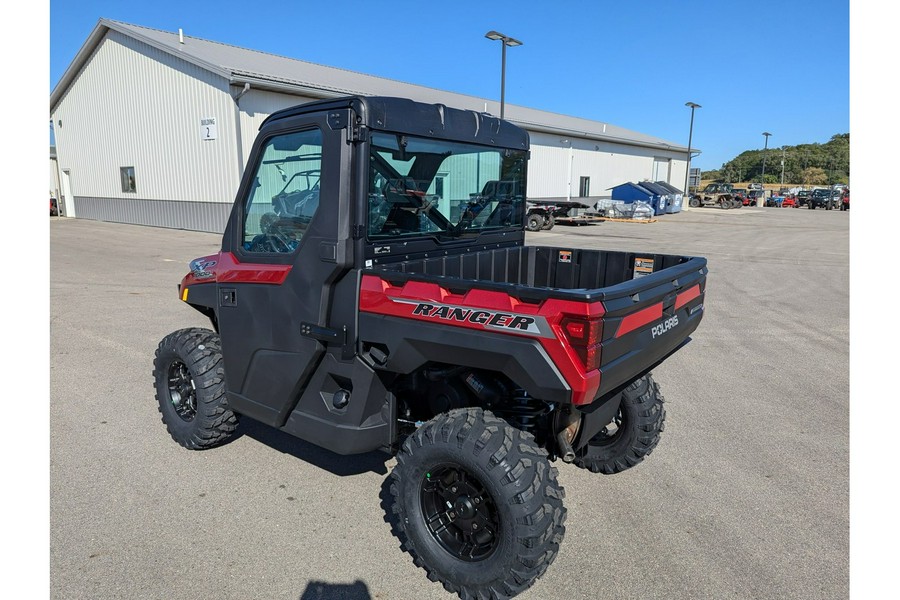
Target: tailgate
(647, 319)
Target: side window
(284, 194)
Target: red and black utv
(374, 291)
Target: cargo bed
(649, 303)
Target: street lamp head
(497, 36)
(766, 133)
(692, 105)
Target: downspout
(237, 129)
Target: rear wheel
(189, 376)
(633, 433)
(477, 503)
(534, 222)
(694, 203)
(549, 222)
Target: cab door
(282, 240)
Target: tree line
(807, 164)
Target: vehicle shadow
(321, 590)
(336, 464)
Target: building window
(584, 187)
(127, 174)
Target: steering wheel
(275, 236)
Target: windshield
(420, 186)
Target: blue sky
(781, 67)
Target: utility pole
(762, 178)
(782, 166)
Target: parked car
(802, 198)
(821, 198)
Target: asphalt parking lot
(745, 497)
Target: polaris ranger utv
(374, 291)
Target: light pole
(687, 173)
(762, 178)
(505, 41)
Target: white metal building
(154, 128)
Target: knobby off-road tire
(189, 376)
(549, 222)
(477, 504)
(534, 222)
(632, 435)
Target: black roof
(401, 115)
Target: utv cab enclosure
(374, 291)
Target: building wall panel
(607, 164)
(181, 214)
(256, 105)
(135, 106)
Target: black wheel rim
(609, 434)
(182, 391)
(459, 513)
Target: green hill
(806, 164)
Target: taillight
(583, 335)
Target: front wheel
(534, 222)
(633, 433)
(189, 376)
(694, 203)
(478, 505)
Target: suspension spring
(523, 411)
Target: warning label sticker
(565, 256)
(642, 266)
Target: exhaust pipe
(570, 423)
(565, 447)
